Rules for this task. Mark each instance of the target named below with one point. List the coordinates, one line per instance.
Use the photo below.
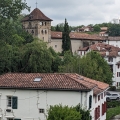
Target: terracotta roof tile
(55, 34)
(36, 14)
(104, 28)
(76, 35)
(58, 81)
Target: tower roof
(36, 14)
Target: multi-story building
(111, 54)
(26, 96)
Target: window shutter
(90, 101)
(102, 109)
(14, 102)
(95, 113)
(98, 111)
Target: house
(115, 41)
(111, 54)
(103, 31)
(26, 96)
(39, 25)
(85, 29)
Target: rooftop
(50, 81)
(36, 14)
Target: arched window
(42, 31)
(45, 31)
(32, 31)
(45, 23)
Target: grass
(112, 112)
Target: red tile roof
(102, 48)
(77, 36)
(57, 35)
(36, 14)
(53, 81)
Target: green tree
(36, 57)
(85, 114)
(11, 9)
(59, 112)
(92, 65)
(56, 60)
(66, 43)
(70, 63)
(96, 28)
(114, 30)
(9, 58)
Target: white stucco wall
(30, 101)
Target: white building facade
(23, 98)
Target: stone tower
(37, 24)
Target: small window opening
(41, 110)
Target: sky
(77, 12)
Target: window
(90, 101)
(45, 31)
(95, 99)
(45, 23)
(118, 66)
(42, 31)
(12, 102)
(41, 110)
(102, 96)
(118, 74)
(55, 46)
(98, 97)
(10, 119)
(110, 59)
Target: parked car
(112, 96)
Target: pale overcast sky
(78, 12)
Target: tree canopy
(11, 8)
(92, 65)
(114, 30)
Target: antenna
(36, 3)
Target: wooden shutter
(102, 109)
(14, 102)
(95, 113)
(98, 111)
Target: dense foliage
(92, 65)
(85, 114)
(59, 112)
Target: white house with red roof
(26, 96)
(111, 54)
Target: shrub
(112, 104)
(59, 112)
(112, 88)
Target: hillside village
(36, 73)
